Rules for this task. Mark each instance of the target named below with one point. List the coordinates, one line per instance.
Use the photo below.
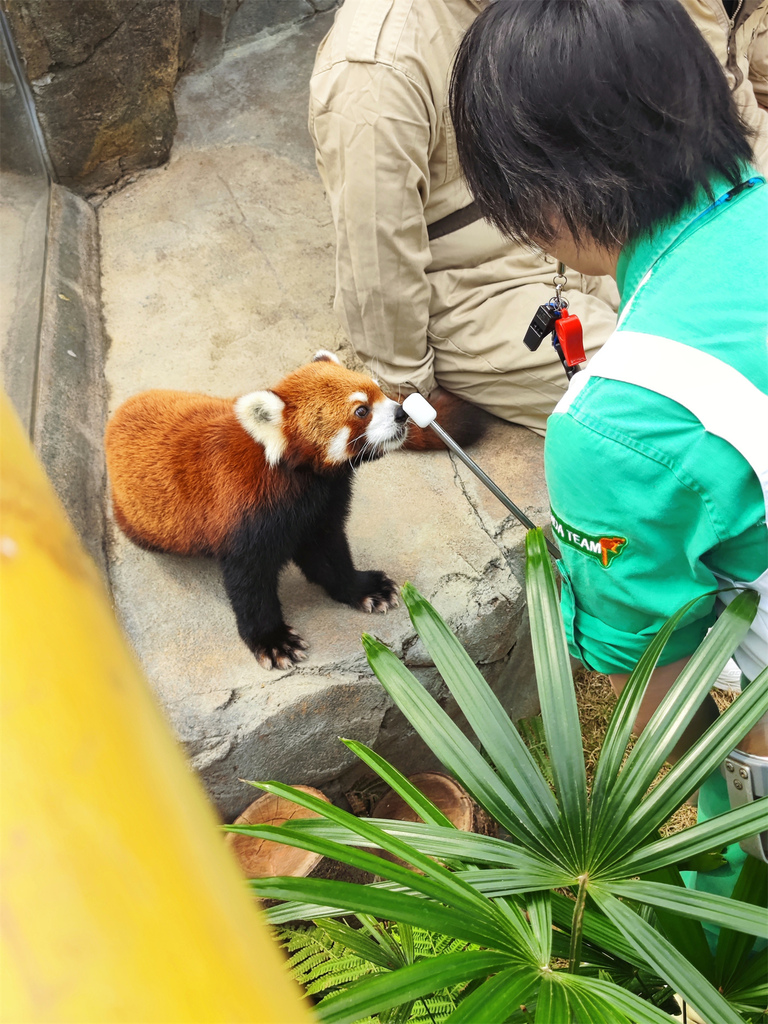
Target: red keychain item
(569, 333)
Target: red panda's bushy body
(182, 471)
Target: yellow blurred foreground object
(119, 899)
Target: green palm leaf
(556, 693)
(400, 784)
(749, 984)
(675, 711)
(731, 827)
(340, 897)
(356, 940)
(483, 710)
(411, 880)
(639, 1011)
(492, 1000)
(667, 961)
(732, 944)
(436, 881)
(685, 933)
(590, 1008)
(507, 883)
(552, 1001)
(539, 908)
(499, 894)
(619, 731)
(451, 746)
(597, 929)
(704, 757)
(518, 920)
(438, 842)
(702, 906)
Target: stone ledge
(70, 402)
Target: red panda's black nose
(400, 414)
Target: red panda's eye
(362, 411)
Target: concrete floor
(218, 276)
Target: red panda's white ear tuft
(323, 356)
(261, 414)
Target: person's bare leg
(658, 686)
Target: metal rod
(492, 487)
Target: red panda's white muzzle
(387, 428)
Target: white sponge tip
(419, 410)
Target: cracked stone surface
(218, 276)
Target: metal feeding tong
(423, 414)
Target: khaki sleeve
(372, 127)
(751, 94)
(755, 100)
(758, 55)
(758, 64)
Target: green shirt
(646, 505)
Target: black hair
(606, 116)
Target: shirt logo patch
(605, 549)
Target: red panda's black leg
(325, 559)
(252, 590)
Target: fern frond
(322, 966)
(332, 970)
(336, 980)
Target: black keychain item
(543, 323)
(552, 318)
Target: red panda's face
(325, 416)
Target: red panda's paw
(380, 593)
(282, 648)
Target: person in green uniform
(604, 133)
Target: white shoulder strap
(727, 403)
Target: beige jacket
(741, 46)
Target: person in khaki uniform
(737, 32)
(425, 301)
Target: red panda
(257, 482)
(261, 480)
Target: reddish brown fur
(182, 470)
(317, 406)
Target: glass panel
(24, 189)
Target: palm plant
(628, 918)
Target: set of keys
(554, 319)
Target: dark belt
(458, 219)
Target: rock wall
(103, 72)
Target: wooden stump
(444, 792)
(262, 858)
(447, 795)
